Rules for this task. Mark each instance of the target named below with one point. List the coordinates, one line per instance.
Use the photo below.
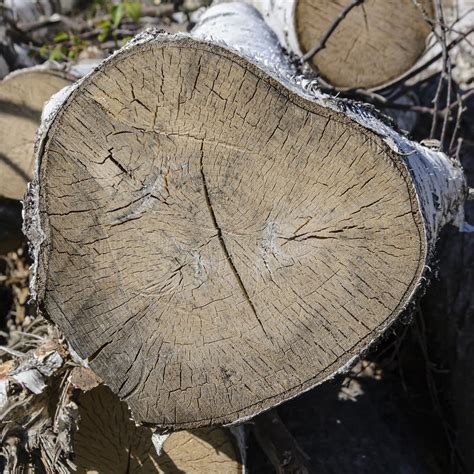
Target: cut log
(107, 441)
(59, 419)
(376, 42)
(216, 236)
(22, 97)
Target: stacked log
(107, 440)
(58, 417)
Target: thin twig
(445, 74)
(414, 72)
(12, 352)
(322, 42)
(458, 120)
(447, 110)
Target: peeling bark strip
(375, 43)
(218, 234)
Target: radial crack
(222, 242)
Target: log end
(214, 243)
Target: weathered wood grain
(22, 97)
(214, 236)
(375, 43)
(107, 441)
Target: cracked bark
(248, 182)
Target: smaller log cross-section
(22, 97)
(376, 42)
(107, 441)
(214, 235)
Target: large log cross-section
(215, 235)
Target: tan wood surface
(377, 41)
(22, 98)
(215, 244)
(109, 442)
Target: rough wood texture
(107, 441)
(217, 237)
(377, 41)
(22, 97)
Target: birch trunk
(216, 236)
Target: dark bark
(279, 445)
(11, 236)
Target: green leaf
(72, 54)
(103, 35)
(44, 50)
(134, 10)
(104, 24)
(56, 53)
(61, 36)
(117, 14)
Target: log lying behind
(22, 97)
(214, 235)
(376, 42)
(107, 441)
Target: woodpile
(23, 95)
(87, 429)
(216, 228)
(368, 44)
(22, 98)
(107, 440)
